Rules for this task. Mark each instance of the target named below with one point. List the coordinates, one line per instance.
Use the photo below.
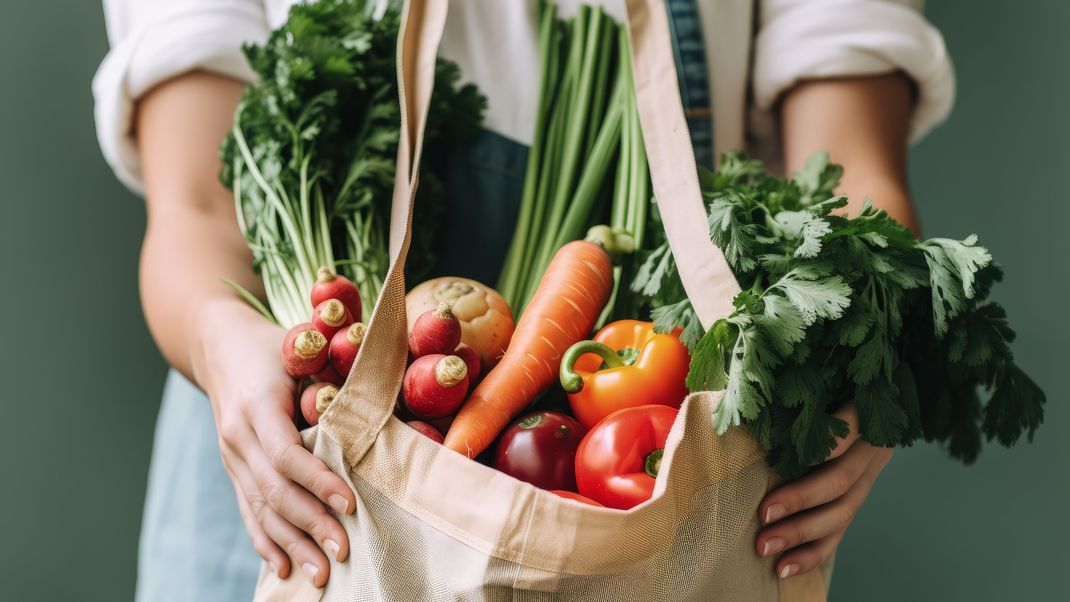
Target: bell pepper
(626, 365)
(571, 495)
(618, 461)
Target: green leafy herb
(837, 310)
(311, 156)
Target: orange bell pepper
(626, 365)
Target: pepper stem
(653, 462)
(572, 382)
(617, 243)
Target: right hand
(281, 487)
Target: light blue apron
(193, 543)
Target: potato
(486, 320)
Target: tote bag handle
(368, 396)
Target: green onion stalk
(586, 148)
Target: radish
(471, 359)
(401, 412)
(330, 375)
(331, 316)
(304, 351)
(427, 430)
(344, 347)
(315, 400)
(435, 332)
(443, 424)
(332, 286)
(435, 385)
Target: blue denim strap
(690, 53)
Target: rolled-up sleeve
(811, 39)
(155, 40)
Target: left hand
(804, 520)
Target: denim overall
(193, 545)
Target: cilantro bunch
(312, 153)
(836, 310)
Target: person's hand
(806, 518)
(281, 487)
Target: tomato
(541, 449)
(572, 495)
(618, 461)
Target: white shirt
(495, 43)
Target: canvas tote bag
(431, 524)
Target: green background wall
(81, 378)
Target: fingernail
(332, 548)
(788, 571)
(772, 546)
(773, 513)
(339, 503)
(310, 571)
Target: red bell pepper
(572, 495)
(626, 365)
(618, 461)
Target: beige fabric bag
(432, 525)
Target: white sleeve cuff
(837, 38)
(196, 35)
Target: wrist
(889, 192)
(216, 324)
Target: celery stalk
(548, 56)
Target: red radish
(401, 412)
(330, 317)
(435, 385)
(344, 347)
(304, 351)
(330, 375)
(471, 359)
(426, 430)
(435, 332)
(442, 424)
(329, 285)
(315, 400)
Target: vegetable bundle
(312, 153)
(836, 310)
(586, 164)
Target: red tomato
(617, 461)
(541, 449)
(572, 495)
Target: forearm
(863, 123)
(192, 239)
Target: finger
(824, 484)
(248, 494)
(302, 550)
(282, 445)
(805, 527)
(299, 507)
(849, 414)
(264, 546)
(822, 521)
(295, 544)
(807, 557)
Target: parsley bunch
(836, 310)
(311, 156)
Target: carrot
(570, 296)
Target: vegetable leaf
(838, 309)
